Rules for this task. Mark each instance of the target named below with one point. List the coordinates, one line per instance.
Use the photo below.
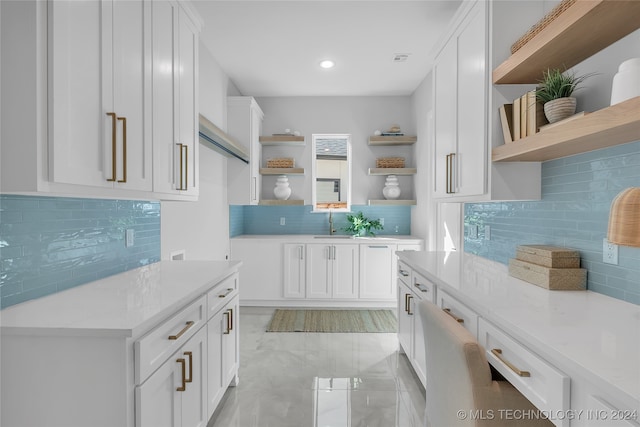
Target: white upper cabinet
(244, 123)
(175, 112)
(108, 84)
(464, 117)
(98, 104)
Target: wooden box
(281, 162)
(549, 256)
(569, 279)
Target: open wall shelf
(581, 31)
(392, 140)
(383, 202)
(282, 140)
(615, 125)
(281, 171)
(276, 202)
(392, 171)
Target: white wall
(358, 116)
(202, 228)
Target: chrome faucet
(331, 229)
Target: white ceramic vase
(626, 83)
(559, 109)
(391, 190)
(282, 191)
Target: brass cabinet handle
(181, 187)
(446, 163)
(228, 331)
(189, 354)
(229, 290)
(183, 387)
(230, 319)
(406, 302)
(449, 166)
(498, 353)
(113, 147)
(189, 324)
(124, 149)
(186, 166)
(403, 273)
(300, 252)
(456, 318)
(409, 298)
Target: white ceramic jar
(391, 190)
(282, 191)
(626, 83)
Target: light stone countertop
(336, 238)
(126, 304)
(580, 331)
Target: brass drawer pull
(403, 273)
(409, 298)
(456, 318)
(229, 290)
(498, 353)
(183, 387)
(189, 324)
(228, 331)
(422, 287)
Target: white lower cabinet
(332, 271)
(460, 312)
(413, 288)
(176, 394)
(294, 270)
(377, 271)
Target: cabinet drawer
(154, 348)
(424, 289)
(601, 413)
(545, 386)
(404, 273)
(222, 293)
(467, 317)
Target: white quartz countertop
(590, 333)
(317, 238)
(126, 304)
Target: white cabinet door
(405, 320)
(244, 124)
(319, 270)
(222, 341)
(176, 394)
(471, 154)
(98, 109)
(346, 274)
(460, 94)
(377, 271)
(294, 270)
(175, 113)
(445, 130)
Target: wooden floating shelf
(384, 202)
(392, 140)
(282, 140)
(615, 125)
(582, 30)
(392, 171)
(275, 202)
(281, 171)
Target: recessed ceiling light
(327, 63)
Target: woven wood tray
(570, 279)
(390, 162)
(549, 256)
(281, 162)
(542, 24)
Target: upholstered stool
(459, 387)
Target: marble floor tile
(319, 380)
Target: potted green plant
(555, 92)
(361, 226)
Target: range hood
(217, 139)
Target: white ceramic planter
(559, 109)
(626, 83)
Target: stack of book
(549, 267)
(522, 118)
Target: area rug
(333, 321)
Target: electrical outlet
(609, 252)
(473, 231)
(129, 237)
(382, 222)
(283, 220)
(487, 232)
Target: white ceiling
(273, 48)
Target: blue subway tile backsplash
(574, 211)
(48, 244)
(300, 220)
